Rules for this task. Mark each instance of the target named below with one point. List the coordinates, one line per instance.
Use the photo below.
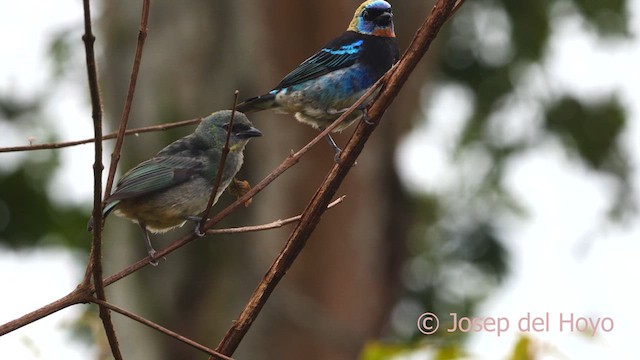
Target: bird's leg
(334, 147)
(150, 250)
(198, 220)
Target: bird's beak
(249, 133)
(383, 19)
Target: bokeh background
(502, 181)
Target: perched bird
(175, 185)
(325, 85)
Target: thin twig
(95, 260)
(393, 82)
(159, 328)
(272, 225)
(110, 136)
(223, 160)
(124, 120)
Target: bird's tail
(107, 210)
(258, 103)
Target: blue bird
(325, 85)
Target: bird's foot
(153, 260)
(198, 220)
(198, 232)
(365, 116)
(336, 156)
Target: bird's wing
(339, 53)
(156, 174)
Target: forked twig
(83, 292)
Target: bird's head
(214, 129)
(373, 17)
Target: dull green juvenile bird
(174, 186)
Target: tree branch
(272, 225)
(159, 328)
(113, 135)
(77, 296)
(115, 157)
(392, 84)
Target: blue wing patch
(324, 61)
(346, 49)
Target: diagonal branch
(77, 296)
(392, 84)
(159, 328)
(142, 36)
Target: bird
(326, 84)
(174, 186)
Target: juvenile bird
(174, 186)
(325, 85)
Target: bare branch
(272, 225)
(115, 157)
(159, 328)
(392, 83)
(113, 135)
(75, 297)
(223, 160)
(95, 260)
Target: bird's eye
(366, 15)
(226, 126)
